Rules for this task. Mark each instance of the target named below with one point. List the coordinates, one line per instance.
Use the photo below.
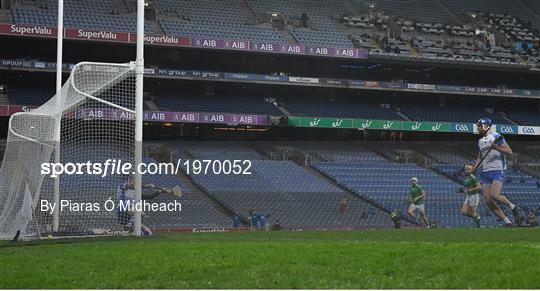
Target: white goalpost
(139, 109)
(95, 116)
(58, 119)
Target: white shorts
(420, 207)
(472, 200)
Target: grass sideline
(436, 258)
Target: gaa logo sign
(527, 130)
(461, 127)
(507, 129)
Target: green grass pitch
(437, 258)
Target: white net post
(139, 67)
(59, 48)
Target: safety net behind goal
(97, 106)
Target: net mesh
(97, 124)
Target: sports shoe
(510, 225)
(16, 237)
(477, 221)
(517, 215)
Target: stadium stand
(378, 175)
(362, 28)
(385, 182)
(534, 153)
(522, 9)
(93, 15)
(33, 96)
(223, 104)
(310, 22)
(340, 108)
(447, 30)
(449, 113)
(197, 209)
(29, 95)
(214, 19)
(425, 11)
(525, 116)
(440, 30)
(285, 190)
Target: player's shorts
(472, 200)
(488, 177)
(420, 207)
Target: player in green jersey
(471, 190)
(417, 200)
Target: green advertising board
(377, 124)
(427, 126)
(321, 122)
(424, 126)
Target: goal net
(96, 124)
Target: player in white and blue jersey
(493, 149)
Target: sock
(512, 205)
(477, 220)
(506, 220)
